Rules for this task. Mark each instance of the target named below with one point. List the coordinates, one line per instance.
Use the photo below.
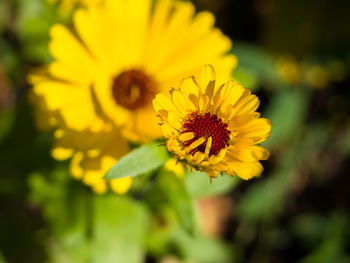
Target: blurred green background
(293, 54)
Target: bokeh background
(295, 55)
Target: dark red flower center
(133, 89)
(206, 125)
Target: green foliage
(33, 23)
(247, 78)
(203, 249)
(331, 249)
(267, 197)
(255, 66)
(141, 160)
(287, 112)
(198, 184)
(88, 227)
(6, 120)
(2, 259)
(174, 190)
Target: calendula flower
(214, 128)
(105, 74)
(121, 54)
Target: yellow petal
(174, 121)
(261, 153)
(207, 80)
(175, 167)
(167, 130)
(246, 171)
(122, 185)
(74, 167)
(186, 136)
(100, 187)
(188, 86)
(198, 157)
(61, 154)
(208, 146)
(249, 105)
(259, 128)
(181, 102)
(195, 143)
(212, 173)
(148, 132)
(68, 51)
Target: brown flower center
(207, 125)
(133, 89)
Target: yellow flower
(214, 128)
(288, 69)
(121, 54)
(104, 75)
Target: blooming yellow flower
(105, 74)
(214, 128)
(122, 54)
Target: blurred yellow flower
(214, 128)
(317, 76)
(105, 74)
(288, 69)
(93, 155)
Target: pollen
(206, 126)
(133, 89)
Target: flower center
(207, 125)
(133, 89)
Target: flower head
(106, 72)
(214, 128)
(121, 54)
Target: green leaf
(88, 227)
(266, 198)
(2, 258)
(287, 112)
(120, 227)
(256, 60)
(7, 118)
(332, 249)
(203, 249)
(247, 78)
(175, 191)
(198, 184)
(139, 161)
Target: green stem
(89, 211)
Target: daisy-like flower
(214, 128)
(106, 72)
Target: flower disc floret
(206, 126)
